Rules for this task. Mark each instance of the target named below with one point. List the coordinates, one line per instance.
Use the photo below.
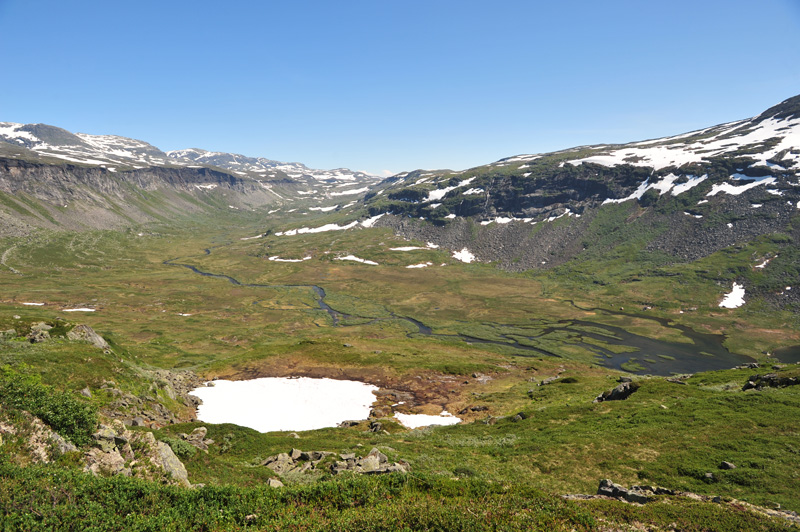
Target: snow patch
(764, 264)
(276, 258)
(420, 265)
(272, 404)
(356, 259)
(414, 421)
(321, 229)
(464, 255)
(734, 298)
(350, 192)
(734, 190)
(369, 222)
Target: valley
(515, 308)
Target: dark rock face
(623, 391)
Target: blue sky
(391, 86)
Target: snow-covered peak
(104, 150)
(262, 168)
(769, 141)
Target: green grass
(39, 498)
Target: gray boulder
(623, 391)
(87, 334)
(39, 332)
(172, 465)
(609, 489)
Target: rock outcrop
(39, 332)
(770, 380)
(297, 461)
(40, 441)
(87, 334)
(197, 438)
(119, 451)
(623, 391)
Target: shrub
(62, 411)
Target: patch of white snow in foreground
(414, 421)
(406, 248)
(78, 310)
(420, 265)
(735, 298)
(33, 304)
(251, 237)
(353, 257)
(464, 255)
(270, 404)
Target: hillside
(55, 179)
(693, 194)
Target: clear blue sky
(394, 85)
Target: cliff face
(70, 196)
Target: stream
(705, 352)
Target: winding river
(705, 352)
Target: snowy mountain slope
(729, 159)
(336, 182)
(101, 150)
(690, 194)
(48, 143)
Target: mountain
(50, 177)
(269, 168)
(692, 194)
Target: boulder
(297, 461)
(726, 465)
(87, 334)
(280, 464)
(197, 438)
(172, 465)
(623, 391)
(112, 454)
(609, 489)
(105, 463)
(39, 332)
(770, 380)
